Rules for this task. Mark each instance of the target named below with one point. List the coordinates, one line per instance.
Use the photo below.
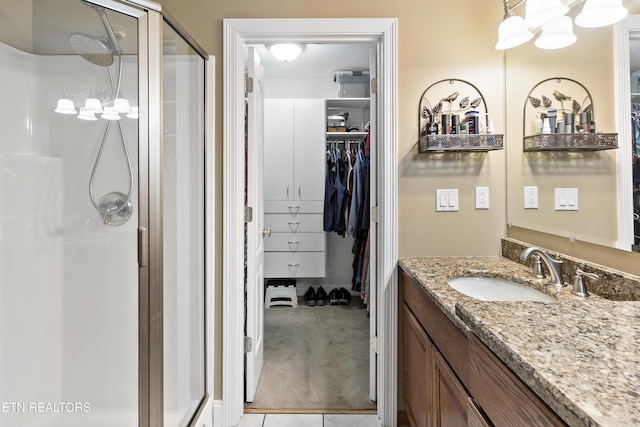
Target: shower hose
(110, 209)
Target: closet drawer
(295, 242)
(287, 223)
(294, 264)
(293, 206)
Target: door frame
(237, 32)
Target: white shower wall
(68, 282)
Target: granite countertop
(577, 354)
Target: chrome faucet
(554, 265)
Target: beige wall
(16, 24)
(437, 40)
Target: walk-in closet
(313, 228)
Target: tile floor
(309, 420)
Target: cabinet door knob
(266, 232)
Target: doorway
(308, 356)
(238, 32)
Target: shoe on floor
(344, 297)
(321, 296)
(310, 297)
(334, 297)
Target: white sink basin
(490, 289)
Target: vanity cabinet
(434, 393)
(455, 380)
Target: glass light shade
(599, 13)
(557, 34)
(286, 52)
(539, 12)
(121, 105)
(65, 106)
(110, 114)
(133, 114)
(93, 104)
(85, 114)
(512, 33)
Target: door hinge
(374, 214)
(247, 344)
(143, 247)
(248, 84)
(374, 85)
(373, 344)
(248, 214)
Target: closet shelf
(571, 142)
(346, 136)
(473, 142)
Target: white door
(255, 236)
(373, 227)
(309, 149)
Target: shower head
(98, 50)
(92, 48)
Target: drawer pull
(294, 207)
(293, 265)
(294, 222)
(293, 243)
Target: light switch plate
(447, 200)
(566, 199)
(531, 197)
(482, 197)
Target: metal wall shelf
(469, 142)
(571, 142)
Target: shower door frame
(150, 17)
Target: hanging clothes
(330, 192)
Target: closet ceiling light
(600, 13)
(545, 16)
(286, 52)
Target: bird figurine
(546, 102)
(464, 103)
(560, 96)
(476, 102)
(451, 97)
(535, 101)
(575, 107)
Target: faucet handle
(537, 267)
(579, 288)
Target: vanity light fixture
(539, 12)
(549, 18)
(556, 34)
(512, 32)
(286, 52)
(99, 102)
(600, 13)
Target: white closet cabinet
(294, 162)
(294, 149)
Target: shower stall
(105, 218)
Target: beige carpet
(315, 358)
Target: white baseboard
(217, 413)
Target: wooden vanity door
(419, 371)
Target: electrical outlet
(482, 197)
(531, 197)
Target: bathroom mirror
(590, 61)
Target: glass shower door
(183, 76)
(68, 216)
